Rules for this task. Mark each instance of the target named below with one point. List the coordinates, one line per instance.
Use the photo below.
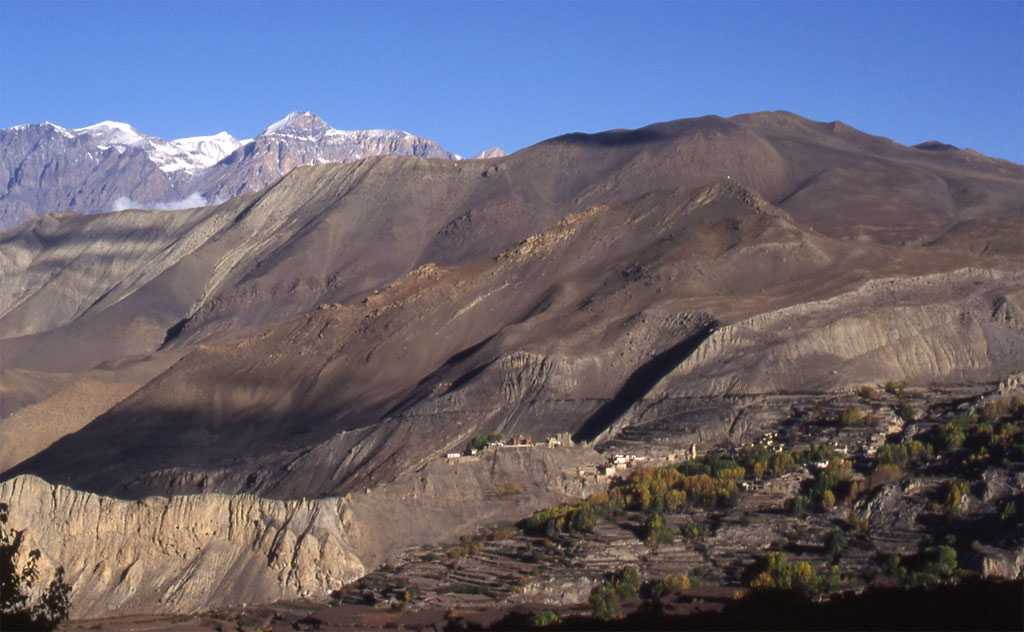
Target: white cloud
(192, 201)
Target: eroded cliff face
(183, 553)
(951, 327)
(196, 552)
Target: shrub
(838, 471)
(1017, 406)
(502, 533)
(16, 611)
(668, 585)
(761, 462)
(952, 436)
(828, 500)
(934, 564)
(604, 603)
(656, 532)
(606, 598)
(836, 543)
(693, 531)
(568, 518)
(885, 473)
(778, 573)
(994, 410)
(903, 454)
(833, 582)
(545, 618)
(895, 388)
(1011, 511)
(797, 506)
(627, 583)
(867, 392)
(480, 442)
(905, 411)
(852, 415)
(955, 492)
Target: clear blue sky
(472, 75)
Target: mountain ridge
(110, 165)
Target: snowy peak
(306, 126)
(112, 133)
(45, 125)
(184, 154)
(493, 152)
(193, 153)
(113, 165)
(299, 125)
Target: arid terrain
(431, 392)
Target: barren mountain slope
(327, 234)
(571, 330)
(333, 234)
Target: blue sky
(473, 75)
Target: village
(616, 465)
(620, 464)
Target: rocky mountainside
(112, 166)
(340, 331)
(197, 551)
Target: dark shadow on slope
(173, 332)
(422, 389)
(641, 382)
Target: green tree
(778, 573)
(836, 543)
(656, 532)
(628, 583)
(895, 388)
(852, 415)
(604, 603)
(16, 611)
(668, 585)
(480, 442)
(828, 500)
(955, 493)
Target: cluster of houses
(619, 465)
(518, 441)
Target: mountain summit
(106, 133)
(302, 124)
(111, 165)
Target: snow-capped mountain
(303, 138)
(491, 152)
(191, 154)
(111, 165)
(183, 154)
(111, 134)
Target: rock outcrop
(195, 552)
(183, 553)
